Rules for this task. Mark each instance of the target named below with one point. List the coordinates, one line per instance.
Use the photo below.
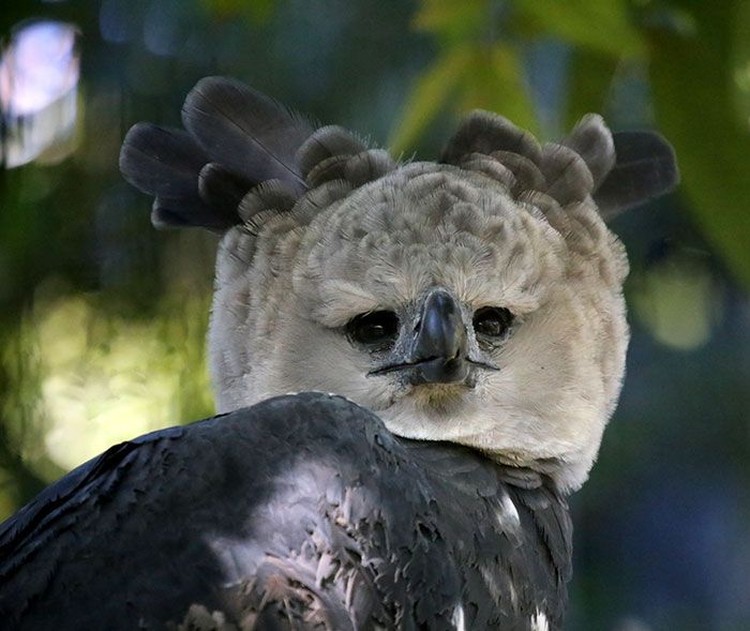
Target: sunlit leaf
(429, 96)
(678, 300)
(451, 19)
(108, 378)
(741, 63)
(602, 26)
(691, 80)
(494, 81)
(481, 77)
(591, 75)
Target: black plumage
(302, 511)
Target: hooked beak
(438, 352)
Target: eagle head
(476, 299)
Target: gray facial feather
(381, 246)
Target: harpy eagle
(468, 316)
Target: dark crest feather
(327, 142)
(567, 178)
(527, 175)
(187, 212)
(646, 167)
(245, 131)
(485, 132)
(222, 189)
(490, 166)
(592, 140)
(238, 138)
(161, 160)
(619, 170)
(368, 166)
(273, 195)
(167, 163)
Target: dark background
(102, 319)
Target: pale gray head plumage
(476, 300)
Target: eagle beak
(439, 352)
(437, 348)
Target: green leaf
(494, 81)
(741, 62)
(591, 76)
(429, 96)
(678, 300)
(481, 77)
(451, 19)
(692, 79)
(602, 26)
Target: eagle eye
(492, 321)
(378, 329)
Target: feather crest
(646, 167)
(245, 131)
(326, 143)
(161, 160)
(592, 140)
(485, 132)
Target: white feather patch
(539, 622)
(507, 513)
(459, 618)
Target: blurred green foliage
(682, 45)
(102, 319)
(694, 74)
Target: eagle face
(440, 300)
(476, 300)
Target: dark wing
(300, 512)
(56, 510)
(509, 532)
